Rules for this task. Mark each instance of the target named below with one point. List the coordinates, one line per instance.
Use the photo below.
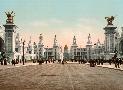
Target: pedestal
(9, 40)
(110, 39)
(89, 51)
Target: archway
(121, 47)
(1, 44)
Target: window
(78, 53)
(16, 49)
(74, 53)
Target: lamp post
(89, 53)
(23, 51)
(47, 53)
(55, 54)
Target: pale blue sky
(70, 16)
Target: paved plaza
(70, 76)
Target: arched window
(1, 44)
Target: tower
(110, 32)
(89, 48)
(9, 36)
(55, 42)
(73, 49)
(55, 48)
(40, 47)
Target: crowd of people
(93, 62)
(4, 61)
(40, 61)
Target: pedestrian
(40, 62)
(79, 61)
(101, 61)
(49, 60)
(5, 62)
(91, 63)
(98, 61)
(63, 62)
(117, 63)
(14, 62)
(1, 62)
(110, 61)
(46, 61)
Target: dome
(66, 47)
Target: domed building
(66, 53)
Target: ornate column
(109, 37)
(9, 36)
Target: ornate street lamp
(23, 52)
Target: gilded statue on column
(110, 20)
(10, 16)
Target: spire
(74, 40)
(55, 41)
(66, 47)
(40, 38)
(89, 39)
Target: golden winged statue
(10, 16)
(110, 20)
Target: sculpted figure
(110, 20)
(10, 16)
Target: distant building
(66, 53)
(54, 52)
(76, 52)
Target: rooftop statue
(89, 39)
(110, 20)
(55, 40)
(74, 40)
(10, 16)
(40, 38)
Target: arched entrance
(121, 47)
(1, 44)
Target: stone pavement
(70, 76)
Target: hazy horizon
(64, 18)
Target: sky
(63, 18)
